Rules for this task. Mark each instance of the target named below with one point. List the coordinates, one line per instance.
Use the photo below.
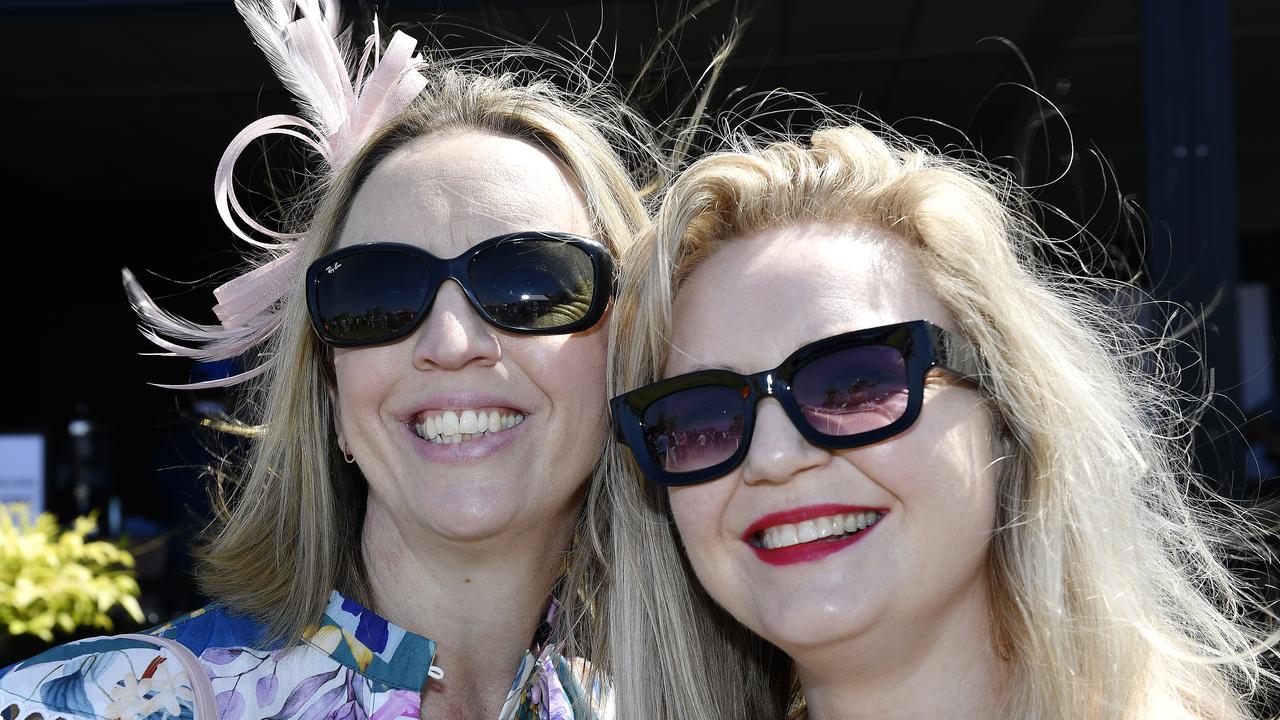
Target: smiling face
(927, 494)
(521, 417)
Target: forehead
(758, 298)
(447, 192)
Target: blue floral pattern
(353, 665)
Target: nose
(778, 451)
(453, 335)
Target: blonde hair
(291, 529)
(1110, 598)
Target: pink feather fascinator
(342, 100)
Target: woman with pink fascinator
(426, 384)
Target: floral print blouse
(353, 666)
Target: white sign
(22, 471)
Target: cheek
(967, 461)
(945, 476)
(571, 373)
(698, 511)
(361, 379)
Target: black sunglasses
(840, 392)
(530, 283)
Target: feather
(167, 331)
(309, 50)
(306, 69)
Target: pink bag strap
(206, 707)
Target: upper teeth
(780, 536)
(455, 426)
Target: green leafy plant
(54, 578)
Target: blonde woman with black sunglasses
(426, 344)
(945, 485)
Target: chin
(472, 515)
(814, 619)
(465, 530)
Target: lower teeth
(461, 438)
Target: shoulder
(118, 677)
(212, 627)
(108, 677)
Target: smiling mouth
(830, 528)
(450, 427)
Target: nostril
(453, 335)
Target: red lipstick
(813, 550)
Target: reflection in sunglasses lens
(533, 284)
(852, 391)
(695, 428)
(369, 296)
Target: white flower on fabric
(128, 700)
(167, 689)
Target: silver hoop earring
(348, 457)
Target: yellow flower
(362, 654)
(326, 638)
(54, 578)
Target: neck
(945, 666)
(481, 602)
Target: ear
(337, 425)
(335, 409)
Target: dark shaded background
(116, 112)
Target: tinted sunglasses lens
(533, 284)
(852, 391)
(695, 428)
(369, 297)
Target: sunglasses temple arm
(614, 417)
(953, 351)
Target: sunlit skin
(463, 542)
(895, 625)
